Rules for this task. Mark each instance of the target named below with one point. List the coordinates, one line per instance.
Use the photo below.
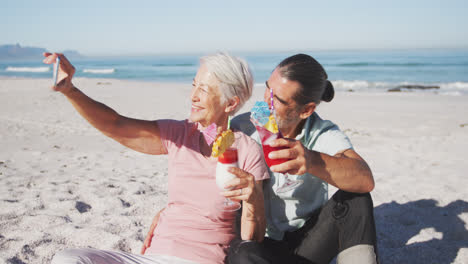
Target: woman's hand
(245, 189)
(242, 188)
(65, 71)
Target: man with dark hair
(303, 226)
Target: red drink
(270, 162)
(258, 115)
(267, 137)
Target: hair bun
(329, 92)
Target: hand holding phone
(61, 66)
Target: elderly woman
(191, 229)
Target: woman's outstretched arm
(139, 135)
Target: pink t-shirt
(191, 227)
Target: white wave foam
(99, 71)
(455, 86)
(450, 88)
(27, 69)
(359, 85)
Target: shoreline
(418, 88)
(63, 184)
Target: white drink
(226, 160)
(222, 174)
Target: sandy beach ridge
(63, 184)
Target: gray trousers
(344, 227)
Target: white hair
(234, 75)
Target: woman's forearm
(253, 222)
(97, 114)
(139, 135)
(252, 228)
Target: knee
(363, 205)
(357, 202)
(358, 210)
(366, 200)
(244, 252)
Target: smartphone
(56, 67)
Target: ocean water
(348, 70)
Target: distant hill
(17, 52)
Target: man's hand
(299, 157)
(345, 170)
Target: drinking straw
(229, 122)
(272, 107)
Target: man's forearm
(346, 173)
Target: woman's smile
(197, 108)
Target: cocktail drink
(225, 161)
(270, 162)
(262, 116)
(227, 158)
(267, 137)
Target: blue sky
(135, 27)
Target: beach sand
(63, 184)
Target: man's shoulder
(242, 123)
(325, 136)
(317, 123)
(241, 118)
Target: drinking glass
(226, 160)
(267, 137)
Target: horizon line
(250, 52)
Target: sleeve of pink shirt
(251, 156)
(172, 132)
